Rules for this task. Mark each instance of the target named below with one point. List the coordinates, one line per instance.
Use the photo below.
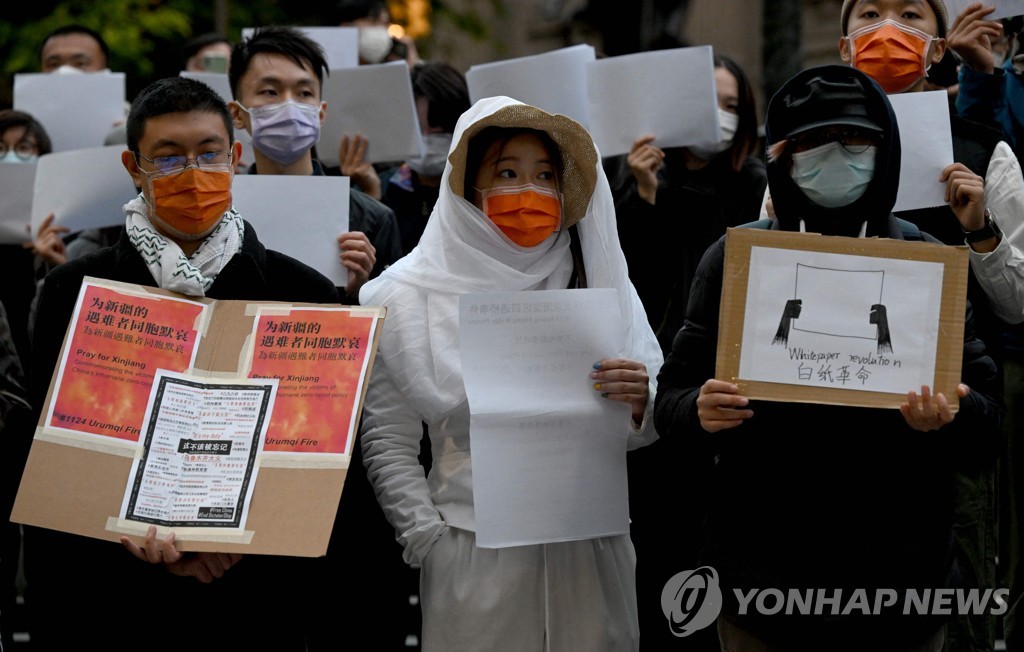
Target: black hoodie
(834, 95)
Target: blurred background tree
(146, 36)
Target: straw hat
(575, 146)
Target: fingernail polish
(597, 385)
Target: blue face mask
(831, 176)
(12, 157)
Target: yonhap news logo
(691, 600)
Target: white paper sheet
(340, 44)
(84, 188)
(829, 339)
(300, 216)
(668, 93)
(1004, 8)
(219, 82)
(377, 102)
(16, 182)
(78, 111)
(554, 81)
(200, 442)
(549, 454)
(926, 145)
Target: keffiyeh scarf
(170, 267)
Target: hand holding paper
(965, 192)
(644, 161)
(623, 380)
(927, 414)
(352, 157)
(719, 406)
(48, 244)
(358, 256)
(971, 37)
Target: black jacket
(663, 243)
(807, 496)
(81, 579)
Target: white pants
(557, 597)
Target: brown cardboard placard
(79, 466)
(734, 315)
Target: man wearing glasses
(181, 234)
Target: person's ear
(130, 164)
(938, 50)
(844, 49)
(236, 115)
(323, 112)
(236, 152)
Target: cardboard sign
(136, 360)
(846, 321)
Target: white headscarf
(462, 251)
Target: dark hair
(744, 143)
(446, 92)
(174, 95)
(77, 29)
(347, 11)
(10, 118)
(195, 44)
(488, 136)
(290, 42)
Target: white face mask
(727, 124)
(72, 70)
(374, 43)
(435, 155)
(832, 177)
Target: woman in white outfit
(520, 186)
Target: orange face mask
(528, 214)
(191, 201)
(891, 53)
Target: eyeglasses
(854, 141)
(23, 150)
(170, 164)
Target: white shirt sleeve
(1001, 272)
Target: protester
(276, 79)
(807, 495)
(878, 36)
(179, 139)
(992, 91)
(22, 140)
(208, 52)
(992, 87)
(673, 204)
(376, 45)
(717, 184)
(411, 188)
(73, 48)
(568, 596)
